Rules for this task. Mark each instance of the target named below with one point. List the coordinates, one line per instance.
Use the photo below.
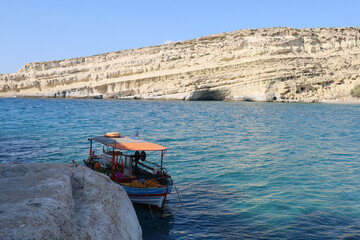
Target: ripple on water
(243, 170)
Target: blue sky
(34, 30)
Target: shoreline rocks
(63, 201)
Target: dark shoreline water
(243, 169)
(100, 97)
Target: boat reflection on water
(155, 224)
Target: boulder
(63, 201)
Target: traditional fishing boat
(125, 161)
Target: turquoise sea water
(244, 170)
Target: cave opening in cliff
(208, 95)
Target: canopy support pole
(113, 165)
(90, 147)
(162, 157)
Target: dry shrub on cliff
(355, 92)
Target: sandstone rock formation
(281, 64)
(60, 201)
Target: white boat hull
(152, 196)
(152, 200)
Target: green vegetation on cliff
(355, 92)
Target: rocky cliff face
(60, 201)
(281, 64)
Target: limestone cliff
(281, 64)
(60, 201)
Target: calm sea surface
(244, 170)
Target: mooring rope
(177, 193)
(152, 215)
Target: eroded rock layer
(281, 64)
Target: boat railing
(127, 161)
(154, 165)
(110, 160)
(122, 162)
(102, 156)
(146, 166)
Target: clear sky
(35, 30)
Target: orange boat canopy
(127, 143)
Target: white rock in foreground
(61, 201)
